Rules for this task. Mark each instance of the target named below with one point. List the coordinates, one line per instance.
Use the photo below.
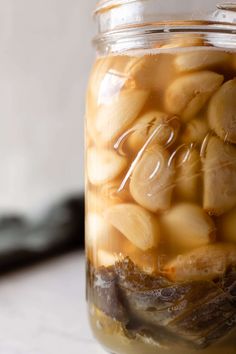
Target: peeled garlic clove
(96, 202)
(222, 112)
(115, 73)
(92, 133)
(205, 263)
(99, 70)
(100, 198)
(165, 126)
(150, 72)
(227, 226)
(138, 69)
(104, 165)
(108, 77)
(151, 184)
(102, 239)
(195, 131)
(185, 40)
(188, 175)
(112, 74)
(188, 94)
(95, 227)
(198, 60)
(129, 72)
(136, 224)
(186, 227)
(101, 234)
(118, 113)
(106, 259)
(219, 177)
(112, 192)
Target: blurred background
(45, 59)
(46, 56)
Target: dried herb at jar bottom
(197, 313)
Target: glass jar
(161, 178)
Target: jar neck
(125, 25)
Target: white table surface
(43, 310)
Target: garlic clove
(205, 263)
(188, 94)
(104, 165)
(166, 127)
(202, 59)
(195, 131)
(151, 183)
(115, 116)
(138, 225)
(188, 175)
(219, 177)
(187, 226)
(222, 112)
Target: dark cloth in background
(59, 230)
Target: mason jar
(161, 177)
